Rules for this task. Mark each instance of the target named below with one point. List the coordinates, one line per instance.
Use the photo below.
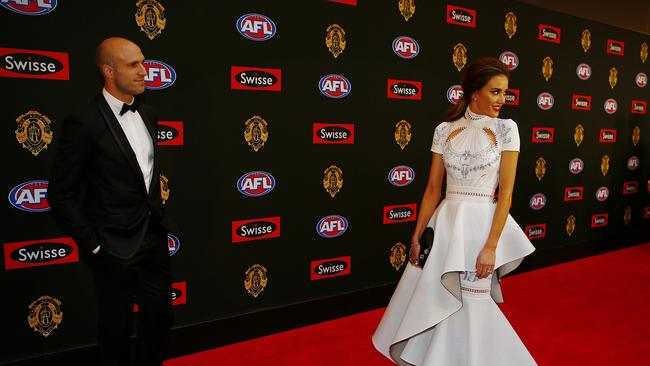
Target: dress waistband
(469, 196)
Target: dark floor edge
(204, 336)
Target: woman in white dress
(444, 313)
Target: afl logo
(159, 75)
(583, 71)
(255, 184)
(334, 86)
(509, 59)
(406, 47)
(401, 176)
(641, 80)
(256, 27)
(455, 94)
(30, 196)
(602, 193)
(545, 101)
(538, 201)
(173, 243)
(633, 163)
(332, 226)
(576, 166)
(610, 106)
(30, 7)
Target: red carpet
(593, 311)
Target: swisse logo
(461, 16)
(641, 80)
(512, 97)
(332, 226)
(401, 176)
(598, 220)
(576, 166)
(537, 201)
(256, 27)
(610, 106)
(255, 229)
(255, 78)
(30, 196)
(404, 89)
(633, 163)
(34, 64)
(630, 187)
(510, 59)
(536, 231)
(545, 101)
(455, 94)
(346, 2)
(333, 133)
(549, 33)
(169, 133)
(335, 86)
(406, 47)
(583, 71)
(40, 253)
(255, 184)
(400, 213)
(615, 47)
(30, 7)
(581, 102)
(173, 244)
(179, 293)
(543, 134)
(607, 135)
(573, 193)
(602, 193)
(639, 106)
(159, 75)
(332, 267)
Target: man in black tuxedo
(105, 191)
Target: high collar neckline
(471, 116)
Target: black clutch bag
(426, 242)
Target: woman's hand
(485, 262)
(414, 254)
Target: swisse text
(256, 78)
(31, 64)
(257, 229)
(40, 253)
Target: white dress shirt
(137, 134)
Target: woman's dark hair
(475, 77)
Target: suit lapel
(120, 137)
(152, 133)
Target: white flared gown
(430, 320)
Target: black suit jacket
(96, 189)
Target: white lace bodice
(471, 150)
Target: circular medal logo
(455, 94)
(610, 106)
(641, 80)
(510, 59)
(583, 71)
(538, 201)
(576, 166)
(545, 101)
(602, 193)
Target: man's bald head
(109, 49)
(120, 62)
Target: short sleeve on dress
(439, 137)
(509, 135)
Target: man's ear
(107, 71)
